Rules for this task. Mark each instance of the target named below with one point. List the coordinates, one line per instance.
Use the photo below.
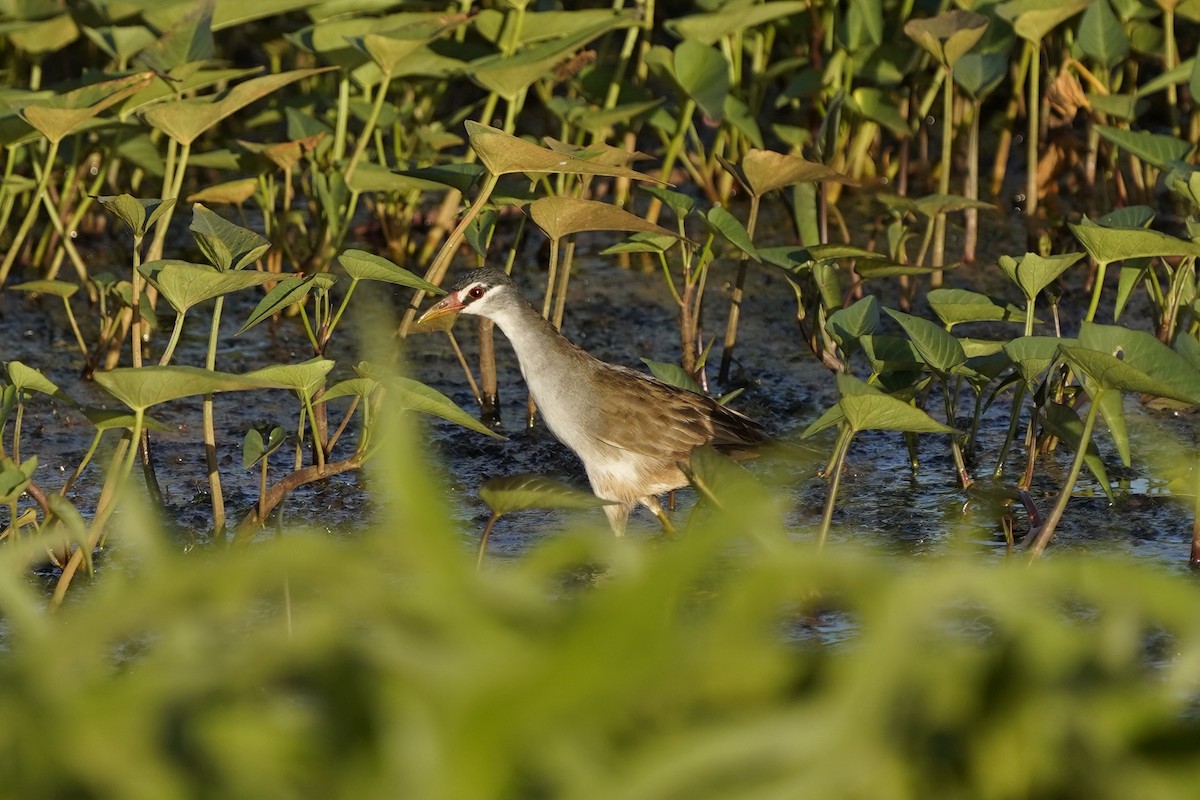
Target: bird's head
(478, 292)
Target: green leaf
(133, 211)
(522, 492)
(1147, 354)
(940, 350)
(15, 478)
(185, 285)
(1107, 245)
(148, 386)
(1158, 149)
(106, 419)
(673, 375)
(703, 74)
(187, 38)
(1034, 19)
(1032, 272)
(867, 408)
(726, 224)
(61, 289)
(978, 74)
(1102, 37)
(890, 354)
(954, 306)
(848, 325)
(363, 266)
(681, 205)
(510, 75)
(306, 377)
(947, 36)
(185, 120)
(362, 388)
(416, 396)
(284, 294)
(503, 154)
(727, 21)
(561, 216)
(254, 449)
(1032, 355)
(226, 246)
(28, 379)
(1063, 422)
(69, 113)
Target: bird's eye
(475, 292)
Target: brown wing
(654, 419)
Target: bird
(631, 431)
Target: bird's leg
(656, 508)
(618, 515)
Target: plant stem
(210, 432)
(735, 303)
(1046, 532)
(15, 246)
(840, 449)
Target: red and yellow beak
(448, 305)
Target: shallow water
(619, 315)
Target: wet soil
(621, 315)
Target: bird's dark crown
(488, 276)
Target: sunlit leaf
(68, 113)
(226, 245)
(1033, 354)
(673, 375)
(939, 349)
(185, 120)
(254, 449)
(561, 216)
(306, 377)
(57, 288)
(233, 192)
(184, 284)
(1158, 149)
(1107, 245)
(416, 396)
(709, 27)
(285, 293)
(954, 306)
(363, 266)
(949, 35)
(144, 387)
(138, 214)
(28, 379)
(503, 154)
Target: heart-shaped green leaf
(416, 396)
(306, 377)
(285, 293)
(939, 349)
(184, 284)
(148, 386)
(561, 216)
(503, 154)
(1032, 272)
(954, 306)
(254, 449)
(226, 246)
(363, 266)
(767, 171)
(185, 120)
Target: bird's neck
(547, 357)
